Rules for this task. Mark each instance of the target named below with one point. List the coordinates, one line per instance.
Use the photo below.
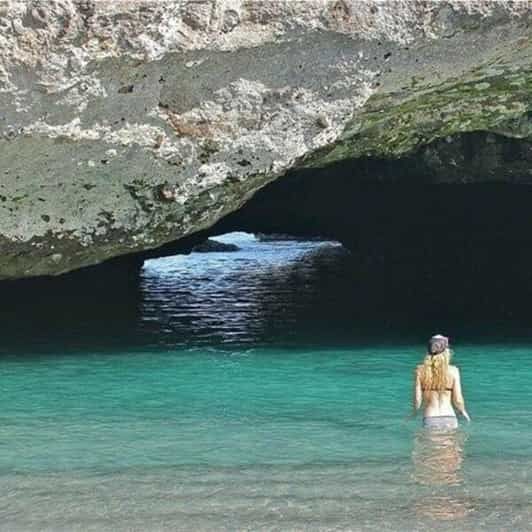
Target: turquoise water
(245, 392)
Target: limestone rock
(126, 125)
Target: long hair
(434, 370)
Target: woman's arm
(417, 397)
(457, 396)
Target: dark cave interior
(446, 231)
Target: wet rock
(210, 245)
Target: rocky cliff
(126, 125)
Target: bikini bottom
(440, 422)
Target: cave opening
(444, 232)
(441, 238)
(446, 250)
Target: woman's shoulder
(454, 370)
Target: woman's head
(434, 370)
(437, 344)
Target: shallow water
(246, 391)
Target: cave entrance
(451, 238)
(434, 240)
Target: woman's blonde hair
(434, 370)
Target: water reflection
(246, 297)
(261, 292)
(438, 457)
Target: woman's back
(439, 402)
(437, 385)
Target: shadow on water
(89, 309)
(268, 293)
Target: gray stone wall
(125, 125)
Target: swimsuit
(440, 422)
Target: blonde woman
(437, 387)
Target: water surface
(253, 391)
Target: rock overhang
(129, 125)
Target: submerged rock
(128, 125)
(211, 245)
(279, 237)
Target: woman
(437, 386)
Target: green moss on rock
(385, 129)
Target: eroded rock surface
(126, 125)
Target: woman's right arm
(417, 396)
(457, 396)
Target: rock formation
(127, 125)
(214, 246)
